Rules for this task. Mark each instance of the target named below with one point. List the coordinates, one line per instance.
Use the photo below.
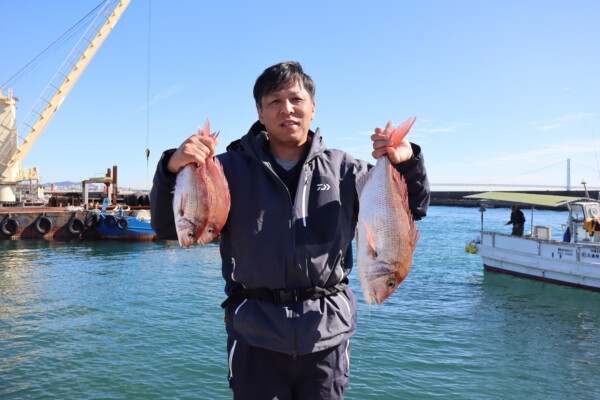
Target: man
(517, 219)
(286, 248)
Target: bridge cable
(524, 173)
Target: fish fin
(362, 181)
(207, 128)
(399, 184)
(414, 234)
(400, 188)
(371, 245)
(401, 131)
(182, 200)
(220, 168)
(388, 130)
(402, 192)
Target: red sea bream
(201, 199)
(386, 232)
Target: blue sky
(504, 91)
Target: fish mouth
(373, 298)
(379, 299)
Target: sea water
(111, 320)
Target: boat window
(577, 213)
(593, 210)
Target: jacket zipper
(304, 212)
(291, 257)
(304, 209)
(291, 260)
(292, 263)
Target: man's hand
(196, 149)
(383, 146)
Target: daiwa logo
(323, 186)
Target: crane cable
(52, 47)
(148, 93)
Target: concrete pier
(456, 198)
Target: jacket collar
(255, 143)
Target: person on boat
(517, 219)
(286, 248)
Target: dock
(72, 222)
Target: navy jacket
(274, 241)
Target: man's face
(287, 113)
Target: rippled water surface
(109, 320)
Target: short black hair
(279, 76)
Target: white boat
(573, 261)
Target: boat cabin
(584, 221)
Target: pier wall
(41, 222)
(55, 223)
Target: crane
(11, 152)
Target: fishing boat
(572, 261)
(119, 223)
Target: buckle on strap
(282, 296)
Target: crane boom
(11, 154)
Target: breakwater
(457, 198)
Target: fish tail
(401, 131)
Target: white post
(568, 174)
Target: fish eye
(190, 234)
(211, 230)
(390, 283)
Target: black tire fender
(122, 223)
(75, 226)
(43, 225)
(110, 220)
(92, 219)
(9, 226)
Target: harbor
(107, 319)
(78, 214)
(95, 94)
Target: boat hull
(121, 227)
(571, 264)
